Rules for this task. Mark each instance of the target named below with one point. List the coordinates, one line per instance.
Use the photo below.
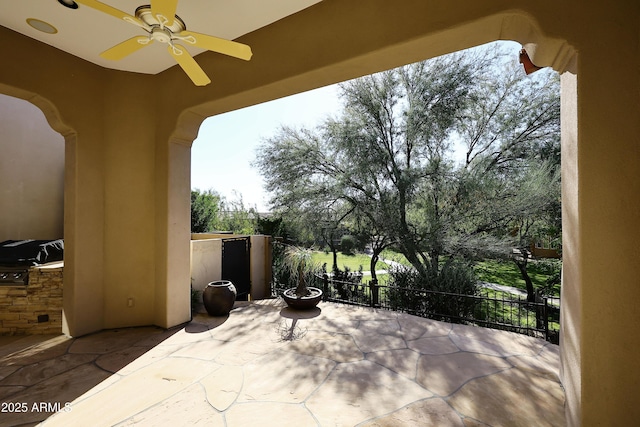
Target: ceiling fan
(160, 22)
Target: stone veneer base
(35, 308)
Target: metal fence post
(325, 287)
(545, 313)
(375, 295)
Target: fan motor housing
(145, 14)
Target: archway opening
(32, 218)
(228, 142)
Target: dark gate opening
(236, 265)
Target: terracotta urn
(218, 297)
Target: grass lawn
(504, 272)
(394, 256)
(352, 261)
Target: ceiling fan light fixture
(145, 14)
(68, 3)
(39, 25)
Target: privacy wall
(31, 173)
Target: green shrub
(342, 281)
(407, 286)
(196, 298)
(552, 268)
(348, 244)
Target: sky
(222, 153)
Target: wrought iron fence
(498, 311)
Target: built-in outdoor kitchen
(31, 286)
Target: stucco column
(129, 200)
(601, 181)
(173, 231)
(571, 312)
(83, 304)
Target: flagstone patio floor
(267, 365)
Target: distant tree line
(212, 212)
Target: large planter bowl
(302, 303)
(218, 297)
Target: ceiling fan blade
(126, 48)
(105, 8)
(166, 8)
(227, 47)
(189, 65)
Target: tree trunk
(301, 289)
(408, 248)
(411, 254)
(372, 266)
(435, 263)
(522, 266)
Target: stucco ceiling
(86, 32)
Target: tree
(205, 208)
(234, 216)
(388, 158)
(212, 212)
(513, 132)
(541, 221)
(325, 222)
(369, 230)
(272, 226)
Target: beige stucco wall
(204, 236)
(206, 262)
(128, 137)
(31, 173)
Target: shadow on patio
(268, 365)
